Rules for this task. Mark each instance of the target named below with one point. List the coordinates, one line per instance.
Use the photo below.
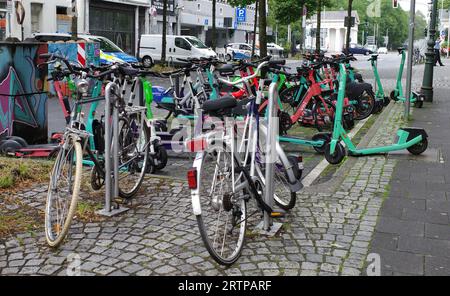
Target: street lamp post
(427, 84)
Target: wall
(23, 106)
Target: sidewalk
(412, 235)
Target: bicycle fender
(195, 193)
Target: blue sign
(206, 22)
(241, 14)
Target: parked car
(275, 50)
(382, 50)
(109, 52)
(359, 49)
(239, 51)
(150, 48)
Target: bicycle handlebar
(243, 79)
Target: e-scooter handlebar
(244, 79)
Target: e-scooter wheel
(325, 137)
(161, 158)
(419, 148)
(393, 96)
(9, 146)
(337, 156)
(418, 104)
(19, 140)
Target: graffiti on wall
(23, 104)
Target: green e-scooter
(415, 140)
(381, 100)
(397, 94)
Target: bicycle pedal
(277, 215)
(120, 201)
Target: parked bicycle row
(228, 114)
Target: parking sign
(241, 14)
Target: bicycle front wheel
(133, 156)
(63, 191)
(223, 219)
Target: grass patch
(18, 174)
(16, 217)
(160, 68)
(86, 211)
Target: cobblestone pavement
(328, 233)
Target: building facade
(123, 21)
(333, 31)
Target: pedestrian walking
(437, 53)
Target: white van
(177, 47)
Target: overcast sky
(420, 5)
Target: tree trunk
(302, 35)
(319, 20)
(255, 26)
(213, 39)
(164, 33)
(349, 25)
(262, 29)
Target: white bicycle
(229, 170)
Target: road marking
(318, 169)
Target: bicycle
(65, 179)
(229, 170)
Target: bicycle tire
(63, 228)
(205, 221)
(129, 139)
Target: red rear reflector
(196, 145)
(300, 159)
(192, 178)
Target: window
(61, 10)
(182, 43)
(198, 6)
(196, 42)
(36, 11)
(244, 47)
(105, 44)
(221, 11)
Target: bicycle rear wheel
(63, 191)
(133, 156)
(223, 219)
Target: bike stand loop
(111, 155)
(267, 227)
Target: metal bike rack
(267, 227)
(111, 154)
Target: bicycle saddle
(223, 104)
(226, 70)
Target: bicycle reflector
(196, 145)
(192, 178)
